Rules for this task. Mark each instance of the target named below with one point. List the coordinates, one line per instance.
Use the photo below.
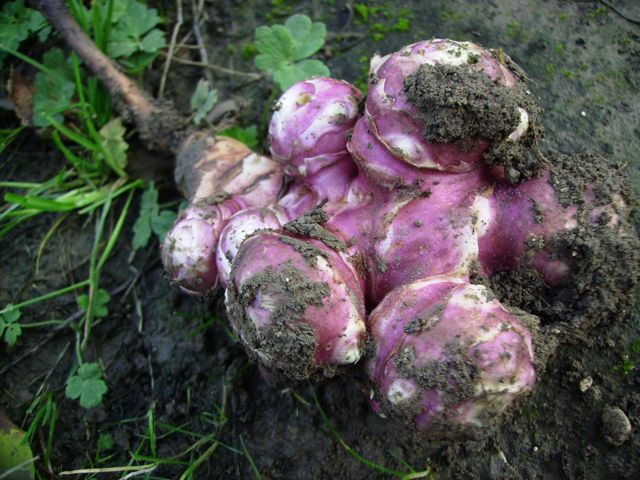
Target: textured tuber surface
(429, 216)
(296, 305)
(310, 124)
(447, 357)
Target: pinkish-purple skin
(526, 213)
(189, 249)
(428, 234)
(396, 122)
(373, 158)
(309, 128)
(336, 319)
(353, 217)
(241, 226)
(438, 326)
(332, 182)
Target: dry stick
(197, 14)
(172, 47)
(218, 68)
(159, 125)
(118, 84)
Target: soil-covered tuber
(297, 305)
(421, 228)
(447, 356)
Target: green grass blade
(38, 203)
(351, 451)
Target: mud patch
(308, 251)
(310, 225)
(602, 252)
(286, 344)
(455, 376)
(459, 104)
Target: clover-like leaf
(17, 22)
(10, 329)
(284, 50)
(120, 44)
(100, 300)
(290, 74)
(151, 219)
(87, 385)
(162, 223)
(54, 88)
(153, 41)
(134, 40)
(276, 47)
(115, 147)
(308, 37)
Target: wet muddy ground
(174, 356)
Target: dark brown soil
(459, 104)
(166, 353)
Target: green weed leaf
(203, 100)
(275, 45)
(133, 38)
(87, 385)
(248, 136)
(151, 219)
(54, 89)
(120, 44)
(115, 147)
(153, 41)
(100, 300)
(142, 230)
(15, 452)
(308, 37)
(10, 329)
(290, 74)
(162, 223)
(17, 22)
(281, 47)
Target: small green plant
(10, 329)
(44, 410)
(17, 23)
(280, 9)
(202, 101)
(598, 12)
(514, 30)
(387, 20)
(55, 88)
(124, 29)
(151, 219)
(99, 305)
(284, 50)
(362, 11)
(104, 447)
(87, 385)
(408, 475)
(630, 359)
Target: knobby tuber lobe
(447, 357)
(297, 305)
